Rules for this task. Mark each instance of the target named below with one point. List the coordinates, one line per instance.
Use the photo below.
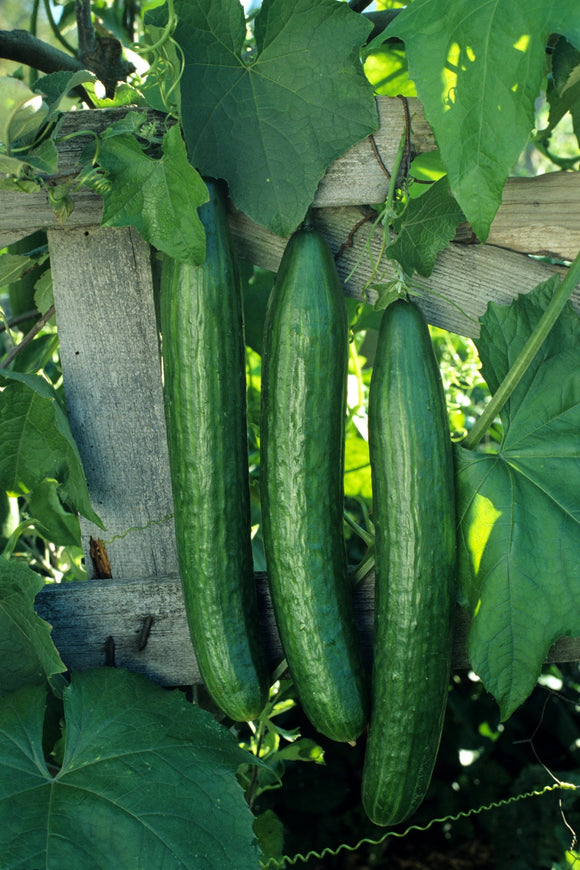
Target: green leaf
(386, 69)
(425, 228)
(478, 66)
(271, 122)
(257, 284)
(44, 158)
(27, 652)
(425, 167)
(270, 833)
(57, 525)
(125, 95)
(147, 780)
(37, 442)
(13, 166)
(16, 180)
(357, 471)
(158, 197)
(303, 749)
(563, 91)
(55, 86)
(519, 509)
(22, 111)
(36, 355)
(12, 266)
(43, 293)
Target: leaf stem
(526, 355)
(385, 218)
(55, 29)
(13, 539)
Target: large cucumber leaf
(272, 121)
(478, 67)
(147, 780)
(519, 508)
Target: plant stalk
(27, 338)
(526, 355)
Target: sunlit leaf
(387, 71)
(478, 67)
(519, 509)
(22, 111)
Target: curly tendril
(279, 863)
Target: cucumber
(304, 370)
(415, 555)
(205, 402)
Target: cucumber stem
(526, 355)
(394, 176)
(13, 539)
(166, 34)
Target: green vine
(385, 218)
(56, 29)
(286, 860)
(139, 528)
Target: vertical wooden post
(103, 292)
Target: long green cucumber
(415, 553)
(205, 402)
(304, 369)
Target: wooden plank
(465, 278)
(538, 215)
(109, 350)
(31, 211)
(10, 237)
(143, 620)
(357, 177)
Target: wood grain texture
(85, 615)
(10, 237)
(538, 215)
(466, 276)
(103, 293)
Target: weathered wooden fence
(103, 288)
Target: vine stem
(395, 172)
(27, 338)
(526, 355)
(385, 217)
(166, 34)
(280, 863)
